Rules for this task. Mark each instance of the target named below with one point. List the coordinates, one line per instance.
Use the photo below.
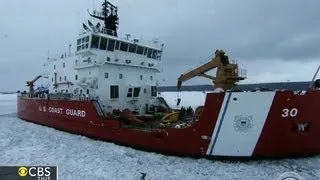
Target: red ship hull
(233, 124)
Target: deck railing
(58, 96)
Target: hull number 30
(289, 112)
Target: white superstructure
(119, 73)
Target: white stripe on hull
(222, 109)
(241, 120)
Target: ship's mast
(109, 16)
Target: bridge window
(132, 48)
(64, 65)
(111, 45)
(153, 91)
(103, 43)
(106, 75)
(65, 78)
(154, 54)
(145, 51)
(159, 54)
(95, 42)
(88, 91)
(76, 77)
(136, 92)
(60, 79)
(114, 91)
(141, 77)
(140, 50)
(83, 43)
(80, 91)
(117, 45)
(149, 53)
(120, 76)
(151, 78)
(124, 46)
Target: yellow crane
(30, 84)
(227, 74)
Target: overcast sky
(274, 40)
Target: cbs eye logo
(23, 171)
(290, 176)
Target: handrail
(107, 31)
(98, 107)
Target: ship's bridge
(102, 40)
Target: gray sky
(274, 40)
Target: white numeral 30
(289, 112)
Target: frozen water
(78, 157)
(8, 103)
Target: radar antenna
(109, 15)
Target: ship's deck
(159, 124)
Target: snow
(8, 103)
(188, 98)
(78, 157)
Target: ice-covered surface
(8, 103)
(188, 98)
(23, 143)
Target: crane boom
(226, 76)
(30, 84)
(314, 77)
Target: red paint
(280, 136)
(186, 141)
